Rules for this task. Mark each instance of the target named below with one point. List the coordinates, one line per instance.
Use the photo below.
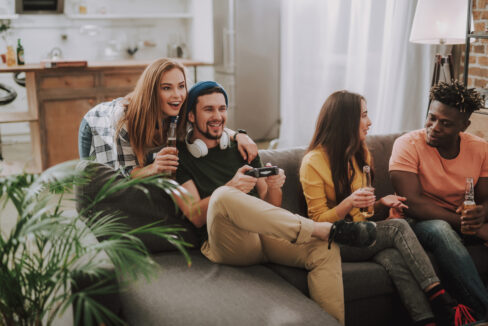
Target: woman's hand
(363, 197)
(166, 160)
(247, 147)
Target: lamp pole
(468, 41)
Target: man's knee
(320, 254)
(220, 196)
(436, 231)
(433, 227)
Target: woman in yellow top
(331, 176)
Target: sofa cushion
(138, 209)
(380, 147)
(213, 294)
(369, 295)
(289, 160)
(353, 274)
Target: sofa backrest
(290, 159)
(141, 210)
(380, 147)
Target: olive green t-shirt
(213, 170)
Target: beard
(206, 133)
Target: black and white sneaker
(356, 234)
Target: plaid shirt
(105, 147)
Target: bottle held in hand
(367, 212)
(171, 140)
(468, 203)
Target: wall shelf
(131, 16)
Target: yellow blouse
(318, 187)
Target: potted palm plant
(50, 247)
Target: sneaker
(356, 234)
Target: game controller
(265, 171)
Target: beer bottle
(469, 202)
(171, 140)
(367, 211)
(20, 53)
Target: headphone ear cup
(224, 140)
(197, 148)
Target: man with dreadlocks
(430, 167)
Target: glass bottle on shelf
(20, 53)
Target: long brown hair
(337, 132)
(143, 115)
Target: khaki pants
(244, 230)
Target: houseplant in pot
(49, 247)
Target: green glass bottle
(20, 53)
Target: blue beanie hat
(197, 89)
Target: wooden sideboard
(58, 98)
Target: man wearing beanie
(241, 214)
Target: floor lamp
(440, 22)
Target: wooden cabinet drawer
(67, 81)
(60, 121)
(121, 80)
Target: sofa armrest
(136, 208)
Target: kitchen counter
(58, 98)
(97, 65)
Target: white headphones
(199, 149)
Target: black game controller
(265, 171)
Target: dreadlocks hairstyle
(458, 96)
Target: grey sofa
(211, 294)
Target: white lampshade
(439, 22)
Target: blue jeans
(84, 139)
(455, 263)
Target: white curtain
(358, 45)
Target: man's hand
(472, 218)
(275, 181)
(242, 182)
(394, 201)
(247, 147)
(166, 160)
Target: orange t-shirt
(442, 180)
